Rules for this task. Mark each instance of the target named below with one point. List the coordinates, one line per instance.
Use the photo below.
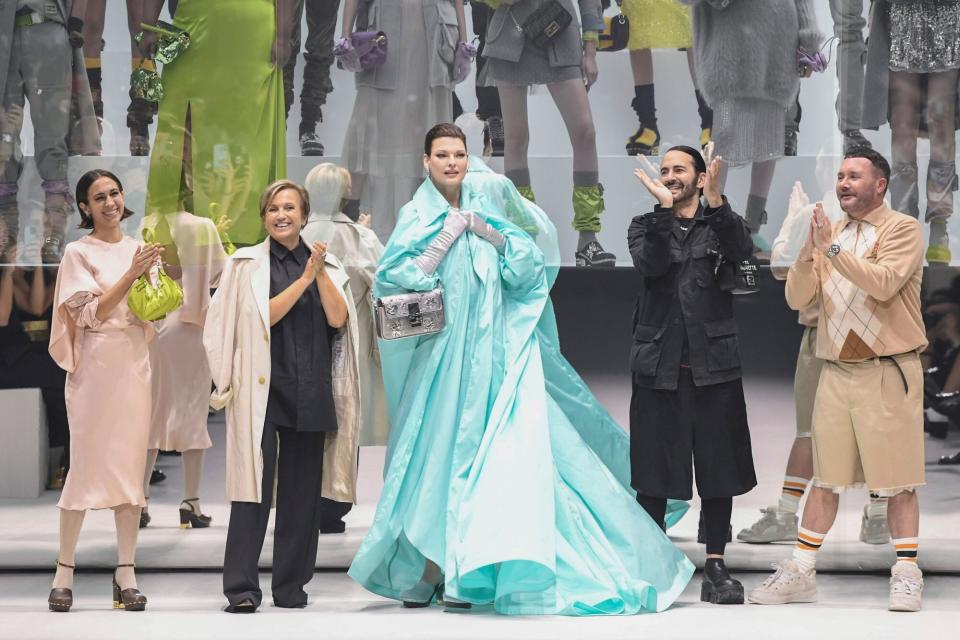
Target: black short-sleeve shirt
(301, 391)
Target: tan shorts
(867, 429)
(805, 381)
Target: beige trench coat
(359, 250)
(236, 338)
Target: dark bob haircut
(442, 130)
(876, 159)
(83, 191)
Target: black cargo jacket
(680, 295)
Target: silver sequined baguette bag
(405, 315)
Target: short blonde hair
(282, 185)
(328, 184)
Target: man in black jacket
(687, 389)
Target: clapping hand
(821, 231)
(711, 185)
(316, 263)
(145, 258)
(649, 176)
(365, 220)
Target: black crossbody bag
(544, 25)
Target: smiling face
(860, 187)
(104, 204)
(447, 163)
(678, 173)
(284, 216)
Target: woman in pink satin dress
(103, 348)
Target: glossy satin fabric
(108, 377)
(502, 468)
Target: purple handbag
(362, 51)
(815, 60)
(464, 56)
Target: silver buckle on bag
(414, 317)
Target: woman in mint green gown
(502, 472)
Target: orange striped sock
(793, 490)
(906, 549)
(808, 543)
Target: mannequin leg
(647, 138)
(942, 170)
(706, 113)
(570, 97)
(513, 102)
(127, 520)
(905, 96)
(70, 524)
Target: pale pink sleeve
(76, 300)
(201, 258)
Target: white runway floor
(851, 606)
(183, 606)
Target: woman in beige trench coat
(239, 338)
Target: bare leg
(570, 97)
(70, 524)
(93, 28)
(942, 170)
(127, 520)
(903, 512)
(641, 62)
(800, 461)
(516, 133)
(820, 510)
(192, 473)
(148, 471)
(904, 127)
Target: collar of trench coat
(237, 341)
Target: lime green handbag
(151, 301)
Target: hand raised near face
(649, 176)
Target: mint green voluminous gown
(501, 467)
(234, 96)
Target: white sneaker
(772, 526)
(788, 584)
(906, 587)
(874, 530)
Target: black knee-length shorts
(673, 432)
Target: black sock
(716, 523)
(94, 77)
(656, 508)
(644, 103)
(706, 113)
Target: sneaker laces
(780, 575)
(901, 584)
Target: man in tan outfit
(864, 272)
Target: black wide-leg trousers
(299, 473)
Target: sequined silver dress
(925, 36)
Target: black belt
(903, 376)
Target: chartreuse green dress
(502, 468)
(224, 97)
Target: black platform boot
(718, 587)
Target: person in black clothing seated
(26, 300)
(687, 389)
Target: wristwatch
(833, 250)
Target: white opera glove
(480, 226)
(453, 227)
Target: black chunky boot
(718, 587)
